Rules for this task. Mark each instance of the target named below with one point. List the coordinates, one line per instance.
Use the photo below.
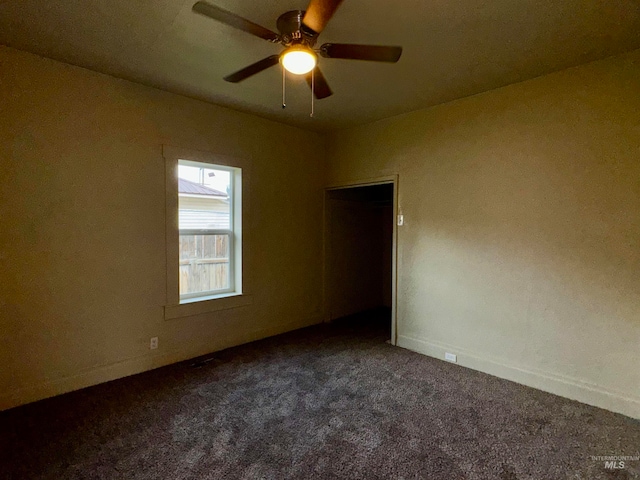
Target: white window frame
(235, 180)
(188, 305)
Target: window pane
(204, 263)
(204, 198)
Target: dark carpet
(323, 402)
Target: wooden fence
(204, 263)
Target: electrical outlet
(153, 344)
(400, 220)
(451, 357)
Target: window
(206, 222)
(206, 198)
(205, 206)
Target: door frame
(388, 179)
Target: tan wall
(82, 226)
(521, 248)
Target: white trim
(561, 385)
(206, 295)
(189, 307)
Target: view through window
(207, 241)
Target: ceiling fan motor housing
(292, 31)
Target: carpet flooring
(330, 401)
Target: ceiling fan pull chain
(313, 84)
(284, 81)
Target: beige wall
(521, 245)
(82, 226)
(520, 253)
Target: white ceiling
(452, 48)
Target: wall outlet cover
(451, 357)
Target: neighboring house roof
(185, 186)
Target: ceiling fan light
(299, 60)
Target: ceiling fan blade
(374, 53)
(318, 14)
(320, 86)
(253, 69)
(234, 20)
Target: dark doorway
(359, 254)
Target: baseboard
(563, 386)
(133, 366)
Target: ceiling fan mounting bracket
(292, 32)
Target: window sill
(198, 306)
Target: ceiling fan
(299, 32)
